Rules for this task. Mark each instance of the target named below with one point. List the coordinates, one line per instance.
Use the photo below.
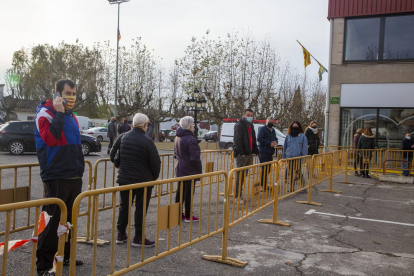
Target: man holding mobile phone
(62, 164)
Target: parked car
(97, 132)
(84, 123)
(161, 137)
(19, 137)
(227, 135)
(211, 135)
(171, 135)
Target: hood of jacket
(181, 132)
(357, 134)
(368, 136)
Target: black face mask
(295, 131)
(270, 125)
(314, 127)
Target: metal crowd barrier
(397, 166)
(168, 216)
(336, 148)
(11, 208)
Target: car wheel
(161, 139)
(86, 148)
(100, 138)
(16, 148)
(229, 146)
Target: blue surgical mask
(408, 137)
(249, 119)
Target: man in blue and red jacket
(59, 151)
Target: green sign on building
(334, 100)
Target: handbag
(117, 159)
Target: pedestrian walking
(244, 147)
(296, 145)
(366, 142)
(407, 146)
(267, 142)
(111, 133)
(124, 127)
(187, 153)
(314, 141)
(139, 162)
(150, 130)
(62, 164)
(357, 157)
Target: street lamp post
(196, 104)
(119, 2)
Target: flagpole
(311, 55)
(116, 76)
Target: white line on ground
(357, 197)
(313, 211)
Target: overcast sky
(166, 26)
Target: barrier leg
(275, 205)
(309, 201)
(223, 258)
(330, 181)
(346, 170)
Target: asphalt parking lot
(368, 229)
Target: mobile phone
(57, 94)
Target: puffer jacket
(187, 153)
(140, 161)
(295, 146)
(366, 142)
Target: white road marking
(313, 211)
(357, 197)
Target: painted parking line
(378, 199)
(313, 211)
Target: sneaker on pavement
(182, 216)
(121, 238)
(138, 242)
(46, 273)
(189, 219)
(67, 262)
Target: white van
(84, 122)
(227, 133)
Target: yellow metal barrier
(9, 208)
(336, 148)
(365, 160)
(322, 149)
(168, 217)
(395, 166)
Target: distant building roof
(23, 105)
(355, 8)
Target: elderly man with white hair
(188, 153)
(139, 162)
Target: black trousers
(47, 244)
(265, 157)
(124, 209)
(111, 143)
(186, 196)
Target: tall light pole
(196, 104)
(119, 2)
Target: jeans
(405, 165)
(241, 161)
(124, 209)
(47, 246)
(186, 196)
(265, 157)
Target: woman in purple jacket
(188, 155)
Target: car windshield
(211, 132)
(94, 129)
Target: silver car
(97, 132)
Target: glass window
(393, 125)
(354, 118)
(399, 37)
(362, 39)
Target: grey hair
(186, 122)
(269, 118)
(140, 120)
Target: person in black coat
(111, 133)
(245, 146)
(267, 142)
(366, 142)
(311, 133)
(407, 144)
(124, 127)
(139, 162)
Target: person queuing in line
(267, 142)
(124, 127)
(314, 141)
(187, 152)
(244, 147)
(111, 133)
(366, 142)
(407, 144)
(150, 130)
(357, 159)
(62, 164)
(139, 162)
(296, 145)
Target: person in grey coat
(111, 133)
(150, 130)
